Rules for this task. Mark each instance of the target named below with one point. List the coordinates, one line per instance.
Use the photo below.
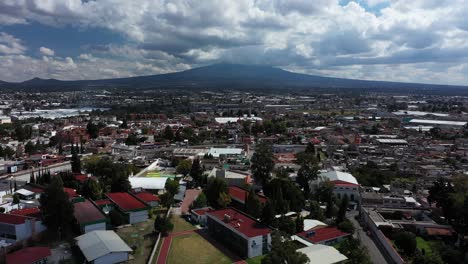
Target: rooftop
(99, 243)
(28, 255)
(322, 234)
(240, 194)
(125, 201)
(237, 220)
(12, 219)
(147, 196)
(87, 212)
(323, 254)
(31, 212)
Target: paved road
(374, 252)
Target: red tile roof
(31, 212)
(434, 231)
(81, 177)
(103, 202)
(125, 201)
(12, 219)
(147, 197)
(242, 223)
(28, 255)
(344, 183)
(71, 192)
(323, 234)
(86, 212)
(240, 194)
(202, 211)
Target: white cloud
(10, 45)
(46, 51)
(309, 36)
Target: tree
(268, 213)
(32, 179)
(196, 171)
(167, 199)
(200, 202)
(299, 224)
(56, 208)
(307, 173)
(16, 199)
(283, 250)
(214, 188)
(310, 148)
(92, 129)
(116, 218)
(91, 189)
(163, 225)
(168, 133)
(316, 212)
(223, 200)
(131, 140)
(253, 205)
(355, 252)
(346, 226)
(262, 163)
(76, 162)
(30, 148)
(124, 124)
(405, 241)
(172, 186)
(342, 210)
(184, 167)
(120, 182)
(287, 225)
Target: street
(372, 249)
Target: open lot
(194, 249)
(140, 238)
(181, 224)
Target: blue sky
(392, 40)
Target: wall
(115, 257)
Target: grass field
(180, 224)
(256, 260)
(194, 249)
(423, 244)
(135, 236)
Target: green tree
(56, 208)
(283, 250)
(223, 200)
(30, 148)
(167, 199)
(172, 186)
(405, 241)
(307, 172)
(346, 226)
(184, 167)
(92, 129)
(342, 210)
(299, 223)
(354, 251)
(287, 225)
(316, 212)
(168, 134)
(131, 140)
(262, 163)
(196, 171)
(116, 218)
(76, 162)
(253, 205)
(124, 124)
(16, 199)
(214, 188)
(268, 213)
(200, 202)
(163, 225)
(91, 189)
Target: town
(174, 176)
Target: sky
(390, 40)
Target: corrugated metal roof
(99, 243)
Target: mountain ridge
(222, 75)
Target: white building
(104, 247)
(345, 184)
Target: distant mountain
(223, 76)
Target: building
(345, 184)
(89, 216)
(239, 232)
(323, 254)
(134, 210)
(29, 255)
(16, 228)
(239, 196)
(199, 215)
(149, 198)
(323, 235)
(104, 247)
(154, 184)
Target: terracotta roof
(125, 201)
(202, 211)
(28, 255)
(31, 212)
(343, 183)
(102, 202)
(240, 222)
(317, 235)
(240, 194)
(71, 192)
(147, 196)
(12, 219)
(86, 212)
(433, 231)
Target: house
(323, 254)
(89, 216)
(345, 184)
(239, 196)
(323, 235)
(16, 228)
(101, 246)
(199, 215)
(239, 232)
(148, 198)
(29, 255)
(133, 209)
(154, 184)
